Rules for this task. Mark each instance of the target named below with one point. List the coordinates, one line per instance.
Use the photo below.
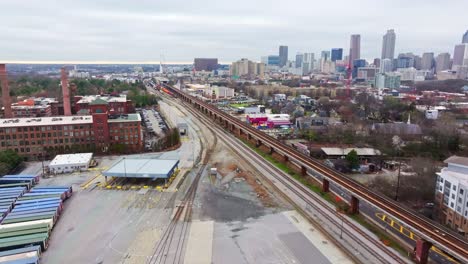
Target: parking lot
(155, 126)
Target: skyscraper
(427, 61)
(388, 45)
(354, 49)
(299, 58)
(308, 63)
(465, 37)
(386, 65)
(443, 62)
(336, 54)
(283, 55)
(459, 54)
(325, 55)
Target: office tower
(460, 55)
(386, 65)
(443, 62)
(427, 61)
(299, 58)
(336, 54)
(388, 45)
(354, 49)
(405, 62)
(204, 64)
(417, 62)
(273, 60)
(308, 63)
(246, 67)
(377, 62)
(356, 65)
(465, 37)
(283, 55)
(325, 55)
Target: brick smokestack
(66, 92)
(5, 92)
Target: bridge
(429, 232)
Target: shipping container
(49, 222)
(21, 241)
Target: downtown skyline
(95, 31)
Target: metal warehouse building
(149, 168)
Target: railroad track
(304, 194)
(427, 229)
(175, 235)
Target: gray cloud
(109, 30)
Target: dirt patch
(262, 194)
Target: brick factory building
(106, 128)
(34, 138)
(113, 104)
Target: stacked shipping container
(28, 215)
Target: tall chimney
(5, 92)
(66, 93)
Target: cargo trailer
(21, 241)
(49, 222)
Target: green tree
(353, 159)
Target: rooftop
(124, 118)
(70, 159)
(142, 168)
(44, 121)
(457, 160)
(106, 98)
(345, 151)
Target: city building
(377, 62)
(355, 49)
(443, 62)
(388, 45)
(35, 107)
(245, 67)
(218, 92)
(113, 104)
(299, 58)
(273, 60)
(205, 64)
(325, 55)
(427, 61)
(336, 54)
(404, 62)
(451, 196)
(458, 55)
(358, 64)
(465, 37)
(388, 80)
(412, 74)
(386, 65)
(367, 73)
(283, 55)
(308, 63)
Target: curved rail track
(425, 228)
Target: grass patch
(385, 238)
(292, 173)
(239, 105)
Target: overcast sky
(142, 30)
